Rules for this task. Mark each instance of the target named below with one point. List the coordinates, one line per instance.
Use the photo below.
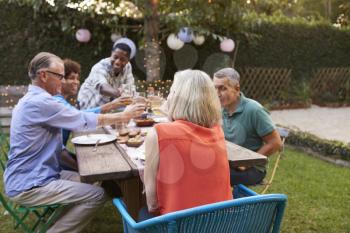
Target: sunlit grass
(318, 198)
(318, 194)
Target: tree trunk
(151, 22)
(328, 10)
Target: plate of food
(91, 139)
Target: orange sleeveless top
(193, 167)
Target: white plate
(91, 139)
(160, 119)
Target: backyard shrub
(333, 149)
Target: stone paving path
(327, 123)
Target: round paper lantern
(174, 42)
(128, 42)
(227, 45)
(185, 34)
(83, 35)
(115, 37)
(198, 40)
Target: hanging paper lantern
(227, 45)
(185, 34)
(83, 35)
(174, 42)
(129, 43)
(115, 37)
(198, 39)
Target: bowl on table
(144, 122)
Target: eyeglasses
(59, 76)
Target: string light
(11, 94)
(124, 9)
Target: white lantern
(174, 42)
(83, 35)
(129, 43)
(227, 45)
(115, 37)
(185, 34)
(198, 39)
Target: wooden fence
(261, 84)
(329, 85)
(5, 118)
(9, 97)
(11, 94)
(265, 84)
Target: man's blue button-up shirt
(36, 141)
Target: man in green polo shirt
(245, 123)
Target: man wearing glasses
(33, 175)
(109, 77)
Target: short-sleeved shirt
(101, 73)
(36, 140)
(248, 124)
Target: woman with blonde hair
(186, 159)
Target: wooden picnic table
(111, 162)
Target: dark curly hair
(71, 66)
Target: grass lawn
(318, 198)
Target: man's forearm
(272, 143)
(107, 90)
(113, 118)
(109, 106)
(267, 150)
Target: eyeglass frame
(59, 76)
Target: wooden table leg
(132, 195)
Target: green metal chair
(4, 148)
(283, 132)
(29, 219)
(32, 219)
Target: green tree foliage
(203, 16)
(334, 11)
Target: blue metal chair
(253, 214)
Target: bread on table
(134, 142)
(134, 133)
(123, 132)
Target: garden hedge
(298, 46)
(328, 148)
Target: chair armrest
(124, 212)
(242, 191)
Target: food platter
(91, 139)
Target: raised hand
(134, 110)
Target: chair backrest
(260, 213)
(284, 132)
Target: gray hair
(40, 61)
(230, 73)
(193, 98)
